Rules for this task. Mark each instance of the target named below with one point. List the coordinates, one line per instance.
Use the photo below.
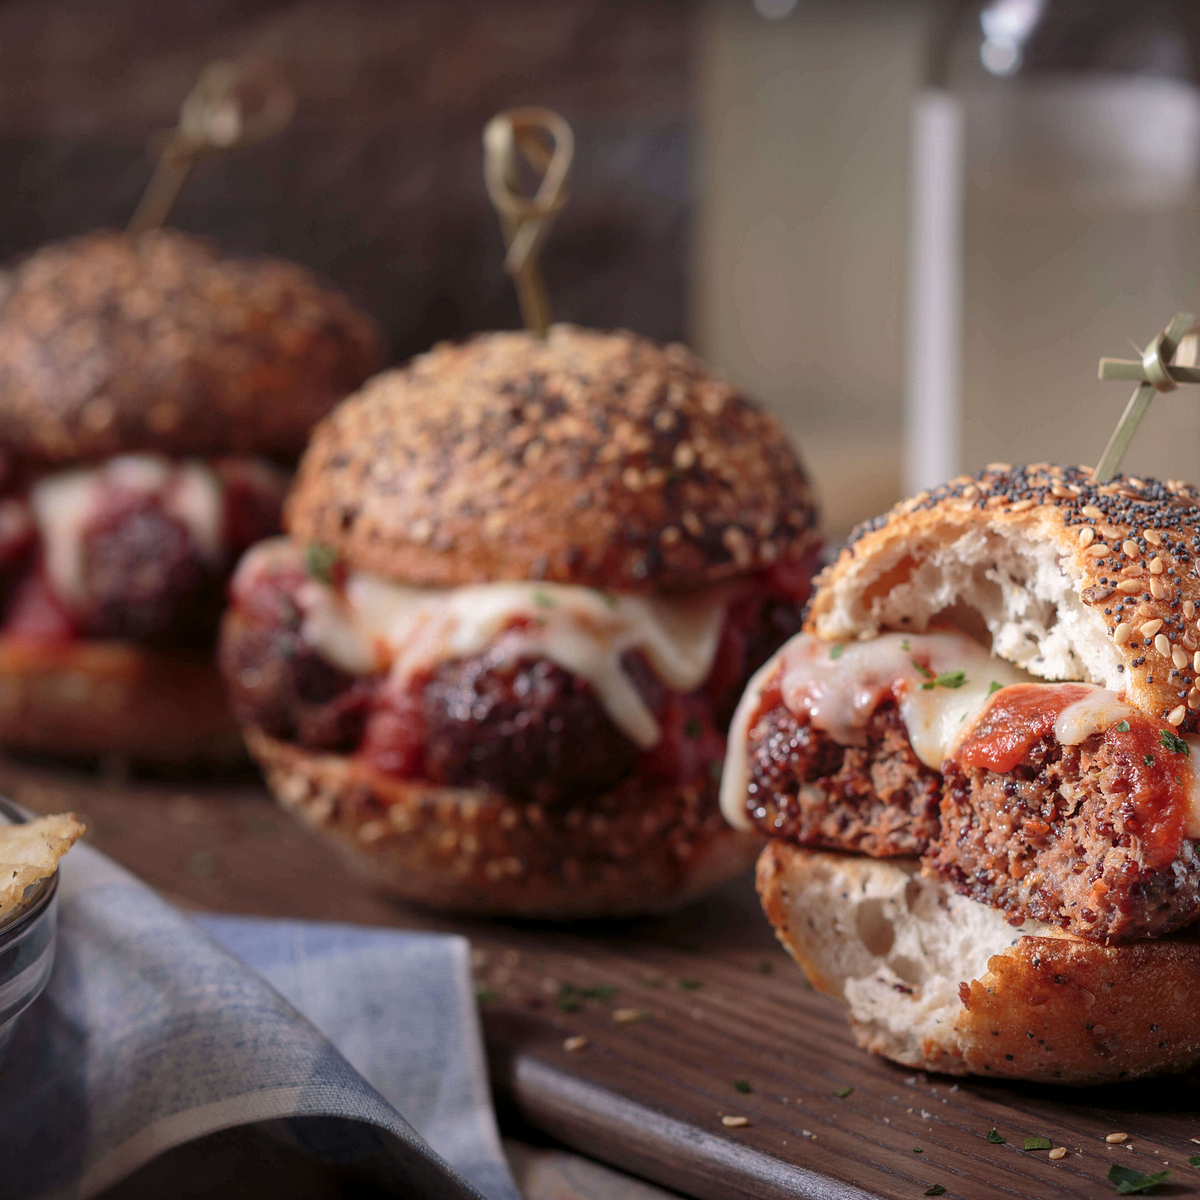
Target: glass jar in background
(1055, 216)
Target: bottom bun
(634, 850)
(937, 981)
(96, 700)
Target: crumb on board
(575, 1043)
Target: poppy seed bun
(111, 343)
(1073, 580)
(600, 459)
(634, 850)
(938, 982)
(94, 700)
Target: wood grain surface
(688, 1018)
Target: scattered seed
(623, 1016)
(575, 1043)
(1124, 632)
(1057, 1153)
(1162, 645)
(1130, 549)
(1115, 1139)
(735, 1122)
(1150, 628)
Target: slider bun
(472, 850)
(112, 343)
(1042, 557)
(601, 459)
(936, 981)
(102, 699)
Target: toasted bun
(471, 850)
(1073, 581)
(937, 981)
(112, 343)
(600, 459)
(94, 700)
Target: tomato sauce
(1148, 765)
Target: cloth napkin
(360, 1046)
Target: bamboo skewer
(233, 103)
(1154, 373)
(524, 219)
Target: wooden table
(688, 1018)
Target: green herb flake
(843, 1092)
(1194, 1161)
(995, 1137)
(608, 599)
(934, 1189)
(906, 646)
(1149, 760)
(1128, 1180)
(319, 561)
(1038, 1143)
(1174, 742)
(994, 687)
(690, 985)
(765, 968)
(542, 600)
(949, 679)
(1123, 727)
(571, 998)
(741, 1085)
(837, 651)
(485, 995)
(693, 729)
(918, 1150)
(922, 669)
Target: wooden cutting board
(687, 1019)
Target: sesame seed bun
(106, 699)
(938, 982)
(1072, 580)
(471, 850)
(113, 343)
(600, 459)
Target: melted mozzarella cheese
(65, 502)
(376, 625)
(839, 687)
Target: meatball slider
(991, 717)
(524, 585)
(149, 388)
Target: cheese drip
(838, 686)
(372, 624)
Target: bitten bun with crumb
(523, 586)
(978, 768)
(151, 392)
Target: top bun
(1072, 580)
(113, 342)
(590, 458)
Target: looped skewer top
(1156, 372)
(526, 219)
(234, 103)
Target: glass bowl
(26, 942)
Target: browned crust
(95, 700)
(1138, 521)
(601, 459)
(1054, 1009)
(471, 850)
(112, 343)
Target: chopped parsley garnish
(690, 985)
(924, 670)
(319, 561)
(994, 687)
(948, 679)
(571, 998)
(837, 651)
(1123, 727)
(741, 1085)
(995, 1137)
(608, 599)
(843, 1092)
(1038, 1143)
(905, 645)
(1149, 760)
(1129, 1180)
(1194, 1161)
(693, 729)
(934, 1189)
(918, 1150)
(1174, 742)
(542, 600)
